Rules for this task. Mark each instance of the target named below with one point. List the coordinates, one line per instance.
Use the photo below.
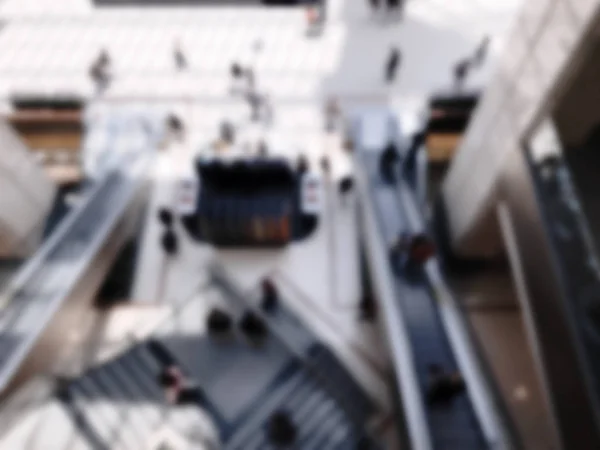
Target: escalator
(423, 323)
(81, 248)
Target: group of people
(260, 106)
(101, 71)
(461, 69)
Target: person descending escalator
(443, 386)
(178, 390)
(345, 187)
(281, 430)
(387, 163)
(410, 252)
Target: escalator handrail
(457, 333)
(62, 233)
(403, 359)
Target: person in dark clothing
(180, 60)
(178, 390)
(387, 163)
(442, 386)
(461, 72)
(281, 429)
(393, 63)
(302, 165)
(481, 52)
(165, 216)
(374, 4)
(169, 242)
(270, 296)
(175, 126)
(346, 185)
(227, 132)
(253, 326)
(410, 252)
(100, 71)
(236, 70)
(410, 156)
(367, 306)
(218, 322)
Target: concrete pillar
(26, 196)
(538, 56)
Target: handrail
(14, 307)
(354, 344)
(397, 331)
(456, 330)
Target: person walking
(332, 114)
(100, 71)
(481, 52)
(387, 163)
(181, 62)
(392, 65)
(461, 72)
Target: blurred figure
(175, 126)
(411, 251)
(461, 72)
(181, 62)
(332, 114)
(326, 165)
(100, 71)
(387, 163)
(236, 70)
(178, 390)
(255, 102)
(481, 52)
(410, 156)
(392, 64)
(346, 185)
(270, 295)
(218, 322)
(169, 242)
(227, 132)
(302, 165)
(250, 80)
(262, 150)
(374, 4)
(281, 430)
(442, 386)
